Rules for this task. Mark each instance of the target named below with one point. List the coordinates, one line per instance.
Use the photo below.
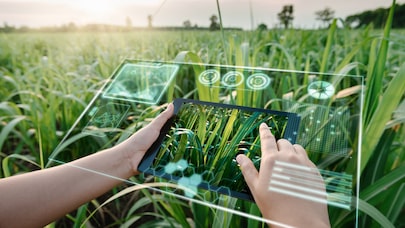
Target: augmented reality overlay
(319, 111)
(145, 84)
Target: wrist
(129, 157)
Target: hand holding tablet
(199, 144)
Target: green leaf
(328, 46)
(395, 176)
(223, 218)
(127, 191)
(80, 215)
(8, 128)
(398, 116)
(397, 205)
(388, 103)
(375, 77)
(375, 214)
(5, 162)
(379, 160)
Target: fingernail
(169, 107)
(265, 126)
(239, 159)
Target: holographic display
(329, 108)
(108, 116)
(146, 83)
(321, 90)
(203, 139)
(303, 182)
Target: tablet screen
(198, 146)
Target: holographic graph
(108, 117)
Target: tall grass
(48, 79)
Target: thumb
(249, 171)
(160, 120)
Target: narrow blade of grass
(376, 71)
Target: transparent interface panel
(146, 84)
(195, 161)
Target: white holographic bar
(306, 183)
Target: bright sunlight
(95, 7)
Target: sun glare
(95, 7)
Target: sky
(245, 14)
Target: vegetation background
(48, 78)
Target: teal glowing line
(315, 182)
(294, 166)
(321, 171)
(331, 173)
(346, 181)
(303, 175)
(311, 198)
(298, 195)
(312, 180)
(313, 176)
(339, 182)
(300, 188)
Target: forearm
(38, 198)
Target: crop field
(47, 79)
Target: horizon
(245, 14)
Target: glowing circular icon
(321, 90)
(232, 79)
(209, 77)
(258, 81)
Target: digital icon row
(232, 79)
(259, 81)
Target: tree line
(72, 27)
(376, 17)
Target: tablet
(197, 147)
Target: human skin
(37, 198)
(277, 207)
